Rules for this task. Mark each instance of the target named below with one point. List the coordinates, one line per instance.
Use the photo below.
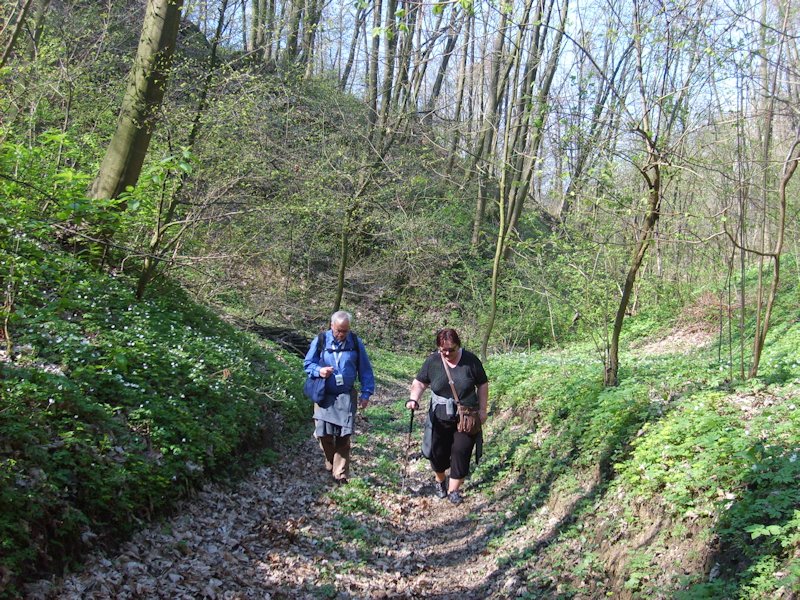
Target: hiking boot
(340, 480)
(455, 497)
(440, 487)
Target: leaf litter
(288, 532)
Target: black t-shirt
(468, 374)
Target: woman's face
(448, 349)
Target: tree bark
(653, 213)
(404, 55)
(462, 78)
(293, 33)
(157, 247)
(390, 31)
(313, 15)
(361, 15)
(372, 76)
(17, 29)
(454, 29)
(125, 156)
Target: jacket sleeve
(365, 374)
(313, 360)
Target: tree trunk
(313, 15)
(404, 55)
(485, 140)
(462, 78)
(388, 77)
(125, 156)
(293, 33)
(38, 27)
(653, 213)
(269, 32)
(372, 76)
(256, 27)
(156, 247)
(14, 35)
(361, 15)
(454, 28)
(527, 156)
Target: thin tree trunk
(404, 55)
(293, 33)
(38, 27)
(269, 32)
(790, 166)
(462, 78)
(309, 34)
(388, 77)
(535, 121)
(361, 15)
(420, 66)
(454, 29)
(372, 77)
(653, 213)
(256, 23)
(486, 135)
(17, 29)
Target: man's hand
(363, 402)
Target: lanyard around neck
(337, 352)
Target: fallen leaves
(281, 534)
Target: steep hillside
(113, 408)
(675, 484)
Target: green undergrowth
(113, 408)
(695, 450)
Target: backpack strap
(350, 335)
(320, 344)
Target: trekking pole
(408, 448)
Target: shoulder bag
(468, 420)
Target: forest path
(287, 531)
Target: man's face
(340, 330)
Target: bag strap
(321, 345)
(450, 379)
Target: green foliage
(676, 437)
(112, 409)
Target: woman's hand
(325, 372)
(483, 415)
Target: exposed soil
(680, 340)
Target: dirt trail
(288, 532)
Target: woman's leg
(441, 442)
(460, 455)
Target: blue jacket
(353, 363)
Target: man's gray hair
(341, 316)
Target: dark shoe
(455, 497)
(440, 487)
(341, 481)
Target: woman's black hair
(448, 334)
